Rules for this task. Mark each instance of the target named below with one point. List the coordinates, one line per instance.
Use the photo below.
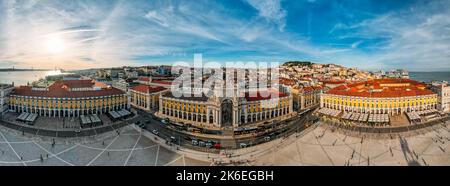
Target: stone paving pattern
(323, 146)
(127, 149)
(318, 146)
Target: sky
(367, 34)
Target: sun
(55, 44)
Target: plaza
(324, 145)
(318, 145)
(129, 148)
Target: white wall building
(5, 90)
(442, 89)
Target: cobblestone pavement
(318, 146)
(322, 146)
(129, 148)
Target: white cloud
(270, 10)
(416, 39)
(356, 44)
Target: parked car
(243, 145)
(173, 139)
(267, 138)
(201, 143)
(208, 144)
(164, 121)
(139, 124)
(194, 142)
(217, 146)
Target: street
(277, 130)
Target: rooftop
(147, 88)
(309, 88)
(5, 86)
(264, 95)
(382, 88)
(62, 89)
(142, 78)
(162, 82)
(192, 97)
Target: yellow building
(306, 97)
(383, 96)
(225, 111)
(146, 97)
(70, 98)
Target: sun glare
(55, 45)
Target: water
(430, 76)
(24, 77)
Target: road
(280, 129)
(69, 134)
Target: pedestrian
(47, 156)
(103, 143)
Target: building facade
(384, 96)
(239, 109)
(146, 97)
(70, 98)
(306, 97)
(5, 90)
(443, 92)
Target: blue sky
(368, 34)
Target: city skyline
(369, 35)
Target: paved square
(129, 148)
(321, 146)
(317, 146)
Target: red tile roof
(147, 88)
(310, 88)
(264, 95)
(288, 82)
(382, 88)
(332, 81)
(73, 84)
(162, 75)
(144, 78)
(162, 82)
(59, 92)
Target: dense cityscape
(230, 114)
(250, 88)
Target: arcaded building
(381, 96)
(69, 98)
(442, 89)
(239, 109)
(306, 97)
(146, 97)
